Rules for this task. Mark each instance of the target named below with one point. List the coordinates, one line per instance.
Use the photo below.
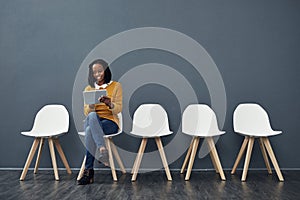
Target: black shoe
(87, 178)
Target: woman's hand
(92, 106)
(107, 101)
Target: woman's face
(98, 73)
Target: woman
(101, 119)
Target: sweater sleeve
(117, 99)
(86, 107)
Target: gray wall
(255, 45)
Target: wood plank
(248, 157)
(240, 154)
(214, 162)
(273, 158)
(117, 156)
(192, 158)
(53, 158)
(111, 159)
(188, 154)
(139, 158)
(62, 155)
(82, 168)
(38, 158)
(151, 185)
(29, 158)
(163, 157)
(265, 156)
(215, 156)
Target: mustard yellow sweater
(113, 91)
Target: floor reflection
(202, 185)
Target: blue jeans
(95, 128)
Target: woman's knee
(92, 117)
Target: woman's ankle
(87, 178)
(102, 149)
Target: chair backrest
(51, 120)
(251, 118)
(150, 120)
(120, 122)
(200, 119)
(120, 117)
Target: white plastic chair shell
(150, 120)
(82, 133)
(200, 120)
(252, 120)
(51, 120)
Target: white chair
(252, 121)
(112, 150)
(199, 121)
(150, 121)
(50, 122)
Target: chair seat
(82, 133)
(112, 135)
(41, 134)
(143, 135)
(260, 134)
(205, 134)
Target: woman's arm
(117, 99)
(87, 108)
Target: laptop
(91, 97)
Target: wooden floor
(154, 185)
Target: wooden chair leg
(29, 158)
(192, 158)
(188, 154)
(248, 157)
(111, 159)
(241, 152)
(117, 156)
(214, 162)
(265, 156)
(163, 157)
(62, 155)
(136, 159)
(139, 159)
(37, 162)
(215, 157)
(80, 174)
(134, 164)
(273, 158)
(52, 153)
